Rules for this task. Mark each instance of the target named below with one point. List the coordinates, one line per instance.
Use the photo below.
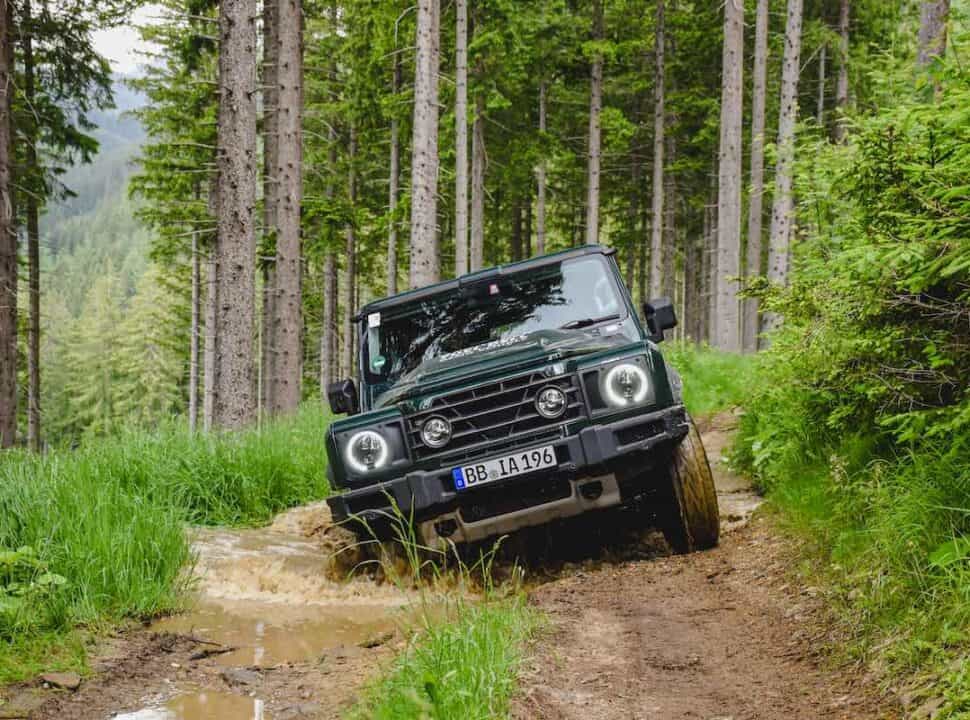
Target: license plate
(518, 463)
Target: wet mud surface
(635, 632)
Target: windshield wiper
(586, 322)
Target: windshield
(501, 311)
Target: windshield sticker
(378, 362)
(484, 347)
(374, 320)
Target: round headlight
(436, 432)
(366, 451)
(625, 384)
(551, 402)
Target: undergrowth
(713, 380)
(859, 428)
(92, 536)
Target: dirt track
(715, 636)
(635, 634)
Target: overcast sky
(121, 44)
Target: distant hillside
(83, 235)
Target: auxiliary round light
(366, 451)
(436, 432)
(551, 402)
(625, 384)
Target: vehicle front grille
(495, 416)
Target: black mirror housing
(343, 398)
(659, 314)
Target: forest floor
(633, 634)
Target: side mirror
(343, 397)
(659, 314)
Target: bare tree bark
(541, 178)
(288, 362)
(235, 401)
(659, 126)
(668, 280)
(477, 241)
(8, 237)
(516, 240)
(394, 185)
(756, 199)
(595, 133)
(425, 260)
(271, 193)
(729, 179)
(194, 337)
(933, 17)
(33, 246)
(842, 84)
(712, 255)
(783, 206)
(461, 137)
(350, 282)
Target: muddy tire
(690, 521)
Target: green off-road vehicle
(513, 397)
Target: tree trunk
(477, 243)
(8, 237)
(729, 179)
(235, 401)
(288, 361)
(461, 137)
(933, 17)
(425, 260)
(268, 377)
(670, 229)
(842, 85)
(328, 332)
(394, 184)
(33, 245)
(820, 111)
(659, 122)
(350, 283)
(712, 255)
(328, 328)
(527, 237)
(595, 132)
(783, 206)
(756, 199)
(541, 177)
(194, 337)
(209, 348)
(516, 243)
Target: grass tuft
(97, 535)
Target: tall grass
(713, 380)
(97, 534)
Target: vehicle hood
(499, 358)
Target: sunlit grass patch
(713, 380)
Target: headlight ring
(366, 451)
(625, 384)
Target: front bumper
(617, 457)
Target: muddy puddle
(263, 599)
(266, 594)
(203, 705)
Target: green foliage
(461, 668)
(95, 535)
(713, 380)
(860, 425)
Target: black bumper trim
(593, 451)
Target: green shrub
(859, 428)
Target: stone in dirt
(66, 681)
(377, 640)
(241, 676)
(302, 710)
